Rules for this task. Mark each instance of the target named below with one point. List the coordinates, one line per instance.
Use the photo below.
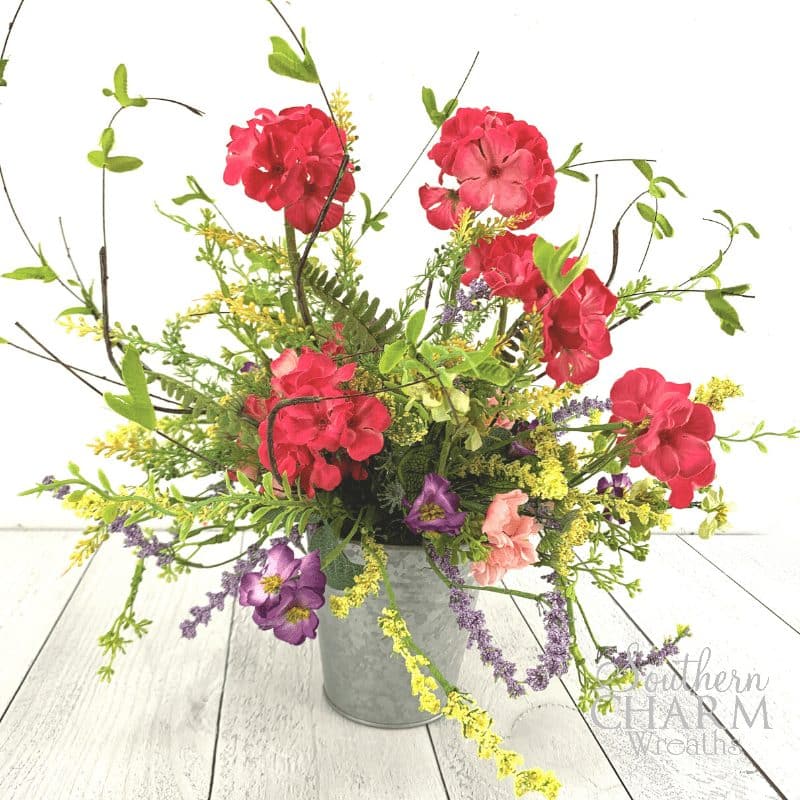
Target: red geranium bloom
(320, 177)
(674, 447)
(363, 424)
(443, 206)
(498, 161)
(574, 328)
(318, 443)
(506, 264)
(256, 407)
(493, 172)
(290, 160)
(465, 126)
(310, 374)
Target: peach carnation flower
(509, 536)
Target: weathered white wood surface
(147, 736)
(34, 594)
(731, 631)
(666, 752)
(242, 716)
(279, 737)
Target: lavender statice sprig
(637, 660)
(553, 662)
(149, 546)
(580, 408)
(465, 301)
(253, 559)
(61, 492)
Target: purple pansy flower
(293, 619)
(285, 592)
(618, 484)
(264, 588)
(436, 508)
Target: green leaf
(3, 341)
(573, 173)
(741, 288)
(656, 191)
(727, 217)
(107, 140)
(392, 355)
(752, 231)
(644, 168)
(669, 182)
(660, 223)
(96, 158)
(414, 327)
(551, 260)
(3, 64)
(369, 221)
(75, 310)
(136, 406)
(122, 163)
(197, 193)
(572, 156)
(43, 273)
(341, 572)
(647, 212)
(121, 89)
(284, 61)
(429, 101)
(729, 318)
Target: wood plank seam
(710, 711)
(572, 699)
(47, 637)
(436, 759)
(221, 701)
(683, 538)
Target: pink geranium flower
(509, 535)
(493, 172)
(674, 447)
(443, 206)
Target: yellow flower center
(430, 511)
(296, 615)
(271, 583)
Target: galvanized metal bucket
(363, 679)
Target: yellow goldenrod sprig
(476, 724)
(365, 584)
(716, 392)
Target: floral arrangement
(458, 420)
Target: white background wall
(708, 89)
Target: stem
(591, 221)
(424, 147)
(615, 237)
(446, 686)
(337, 551)
(588, 627)
(294, 263)
(610, 161)
(503, 318)
(104, 291)
(605, 426)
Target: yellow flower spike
(537, 780)
(365, 584)
(716, 392)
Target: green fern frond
(355, 309)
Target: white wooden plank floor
(235, 715)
